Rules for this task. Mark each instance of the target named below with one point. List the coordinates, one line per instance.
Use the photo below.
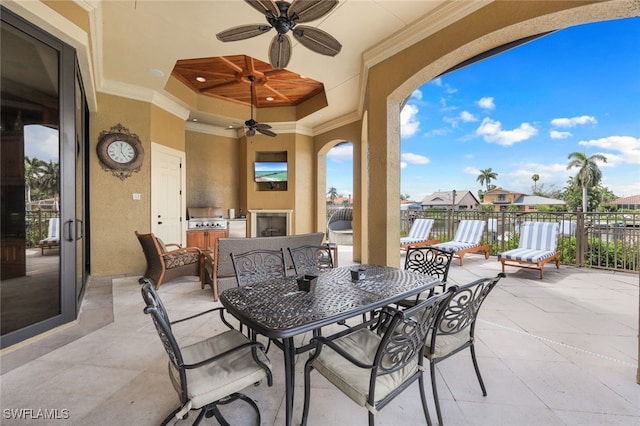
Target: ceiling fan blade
(250, 132)
(308, 10)
(280, 51)
(262, 126)
(264, 6)
(242, 32)
(317, 40)
(267, 132)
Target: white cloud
(467, 117)
(487, 103)
(492, 132)
(438, 132)
(417, 94)
(412, 158)
(628, 146)
(574, 121)
(437, 81)
(555, 134)
(409, 124)
(472, 171)
(403, 164)
(343, 152)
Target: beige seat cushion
(352, 380)
(220, 378)
(447, 343)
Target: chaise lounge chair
(468, 239)
(418, 234)
(538, 245)
(53, 236)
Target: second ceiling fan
(285, 17)
(252, 125)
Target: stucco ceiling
(137, 36)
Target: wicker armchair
(165, 265)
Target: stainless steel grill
(206, 218)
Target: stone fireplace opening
(270, 223)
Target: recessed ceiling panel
(226, 77)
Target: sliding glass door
(42, 138)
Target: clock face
(121, 152)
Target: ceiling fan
(285, 17)
(252, 125)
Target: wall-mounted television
(270, 171)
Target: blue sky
(521, 113)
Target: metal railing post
(581, 239)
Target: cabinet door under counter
(205, 239)
(237, 228)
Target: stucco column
(383, 198)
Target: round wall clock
(120, 151)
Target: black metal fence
(37, 225)
(592, 240)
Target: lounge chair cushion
(538, 241)
(454, 246)
(469, 231)
(526, 255)
(420, 230)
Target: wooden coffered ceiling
(226, 77)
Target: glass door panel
(31, 225)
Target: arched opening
(335, 184)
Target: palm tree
(589, 174)
(486, 176)
(535, 178)
(50, 179)
(33, 171)
(333, 194)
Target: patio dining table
(279, 311)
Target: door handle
(79, 229)
(159, 223)
(69, 230)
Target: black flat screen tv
(270, 171)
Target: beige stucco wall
(212, 172)
(114, 214)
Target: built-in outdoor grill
(206, 218)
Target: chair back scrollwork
(311, 259)
(256, 266)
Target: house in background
(460, 200)
(501, 199)
(630, 203)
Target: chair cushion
(352, 380)
(420, 229)
(526, 255)
(540, 236)
(181, 259)
(453, 246)
(469, 231)
(220, 378)
(447, 343)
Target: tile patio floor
(562, 351)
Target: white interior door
(167, 193)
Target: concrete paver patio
(561, 351)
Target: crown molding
(439, 18)
(338, 122)
(236, 133)
(146, 95)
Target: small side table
(334, 250)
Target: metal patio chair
(209, 373)
(375, 361)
